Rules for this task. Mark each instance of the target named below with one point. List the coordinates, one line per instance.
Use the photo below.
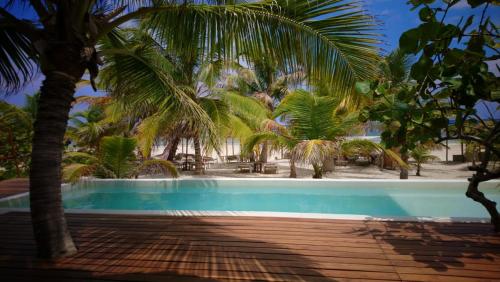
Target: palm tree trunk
(317, 171)
(171, 149)
(49, 224)
(293, 169)
(403, 172)
(227, 154)
(419, 166)
(197, 156)
(263, 153)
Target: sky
(394, 15)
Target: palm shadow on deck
(455, 250)
(158, 248)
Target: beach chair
(270, 169)
(245, 168)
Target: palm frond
(248, 109)
(309, 116)
(334, 39)
(11, 115)
(314, 152)
(117, 154)
(73, 172)
(18, 59)
(274, 138)
(366, 147)
(80, 157)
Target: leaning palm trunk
(197, 156)
(49, 225)
(171, 149)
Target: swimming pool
(374, 198)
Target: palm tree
(63, 41)
(421, 155)
(87, 127)
(314, 128)
(315, 131)
(265, 82)
(213, 116)
(115, 159)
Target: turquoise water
(373, 198)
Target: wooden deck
(163, 248)
(13, 186)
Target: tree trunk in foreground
(483, 174)
(478, 196)
(198, 162)
(49, 224)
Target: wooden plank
(165, 248)
(14, 186)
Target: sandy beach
(439, 169)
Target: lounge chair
(244, 168)
(270, 169)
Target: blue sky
(395, 17)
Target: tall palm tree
(265, 82)
(62, 42)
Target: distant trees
(16, 131)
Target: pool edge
(193, 213)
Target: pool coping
(453, 180)
(194, 213)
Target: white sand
(434, 170)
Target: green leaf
(453, 57)
(421, 68)
(363, 87)
(408, 42)
(426, 14)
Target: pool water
(371, 198)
